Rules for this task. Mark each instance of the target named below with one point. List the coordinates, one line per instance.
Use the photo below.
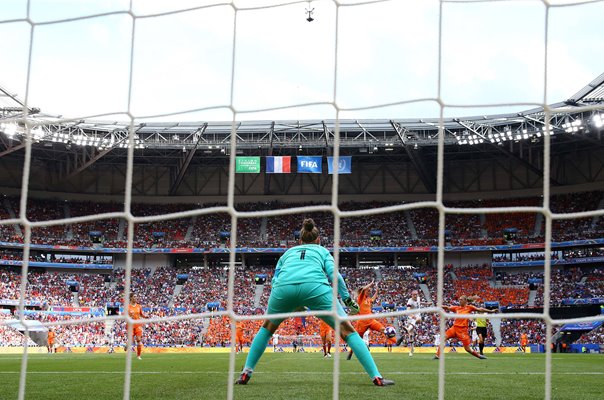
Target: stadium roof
(67, 147)
(592, 93)
(569, 116)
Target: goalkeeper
(303, 279)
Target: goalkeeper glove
(352, 305)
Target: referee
(481, 331)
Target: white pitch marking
(290, 373)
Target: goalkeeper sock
(257, 348)
(360, 349)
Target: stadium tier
(50, 298)
(415, 228)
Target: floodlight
(10, 130)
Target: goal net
(296, 60)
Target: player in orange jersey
(326, 334)
(459, 330)
(523, 341)
(239, 336)
(50, 340)
(135, 311)
(365, 301)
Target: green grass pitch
(302, 376)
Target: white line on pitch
(290, 372)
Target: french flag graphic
(278, 165)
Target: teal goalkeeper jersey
(307, 263)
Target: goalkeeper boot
(244, 378)
(379, 381)
(480, 356)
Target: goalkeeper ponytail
(309, 232)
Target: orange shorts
(137, 331)
(523, 343)
(391, 341)
(460, 334)
(239, 337)
(51, 342)
(364, 324)
(325, 334)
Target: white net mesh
(340, 102)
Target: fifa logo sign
(309, 164)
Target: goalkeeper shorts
(314, 296)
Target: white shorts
(412, 321)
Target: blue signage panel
(309, 165)
(582, 326)
(344, 165)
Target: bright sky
(387, 52)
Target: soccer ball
(390, 331)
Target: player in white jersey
(474, 335)
(275, 341)
(366, 337)
(414, 303)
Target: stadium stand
(279, 231)
(156, 286)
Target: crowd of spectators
(10, 284)
(81, 334)
(555, 255)
(513, 289)
(514, 278)
(165, 333)
(465, 226)
(17, 255)
(594, 336)
(279, 231)
(155, 289)
(11, 337)
(496, 224)
(108, 226)
(7, 232)
(573, 283)
(567, 229)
